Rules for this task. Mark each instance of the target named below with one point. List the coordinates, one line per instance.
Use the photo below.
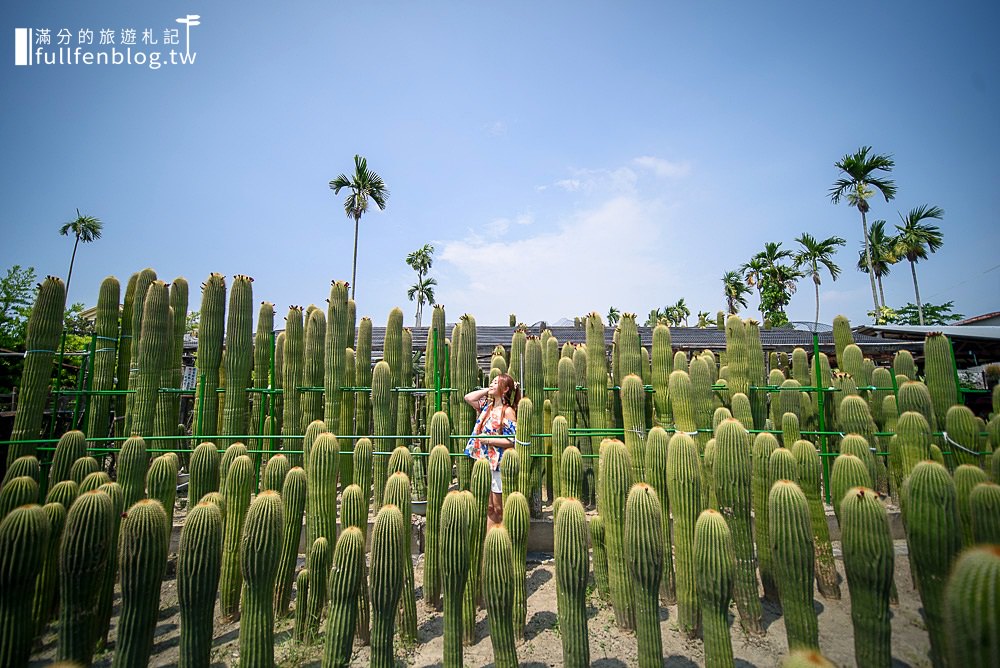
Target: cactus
(363, 467)
(572, 568)
(161, 481)
(701, 395)
(20, 491)
(764, 445)
(398, 493)
(293, 499)
(644, 554)
(868, 562)
(168, 405)
(292, 422)
(633, 397)
(781, 466)
(211, 330)
(438, 480)
(479, 485)
(133, 462)
(517, 522)
(386, 582)
(857, 445)
(318, 563)
(48, 575)
(44, 328)
(715, 567)
(231, 453)
(153, 349)
(524, 447)
(238, 486)
(597, 383)
(708, 473)
(24, 537)
(663, 366)
(616, 480)
(962, 434)
(598, 539)
(400, 461)
(532, 422)
(345, 581)
(571, 472)
(382, 402)
(321, 502)
(939, 370)
(106, 333)
(984, 507)
(82, 468)
(273, 475)
(23, 467)
(142, 560)
(347, 426)
(63, 493)
(354, 513)
(560, 441)
(238, 360)
(263, 348)
(71, 446)
(106, 600)
(144, 279)
(204, 472)
(199, 560)
(971, 614)
(848, 472)
(313, 365)
(791, 539)
(914, 396)
(930, 511)
(301, 605)
(313, 430)
(455, 521)
(913, 438)
(903, 365)
(510, 472)
(966, 478)
(810, 474)
(732, 490)
(498, 591)
(259, 562)
(684, 486)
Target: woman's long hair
(510, 391)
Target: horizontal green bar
(94, 392)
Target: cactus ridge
(398, 493)
(966, 477)
(684, 486)
(237, 489)
(657, 448)
(616, 471)
(848, 472)
(204, 472)
(438, 479)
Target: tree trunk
(881, 293)
(72, 259)
(916, 292)
(816, 285)
(868, 258)
(354, 265)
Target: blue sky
(562, 157)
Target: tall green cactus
(40, 345)
(914, 396)
(572, 569)
(848, 472)
(933, 533)
(313, 364)
(259, 562)
(321, 501)
(597, 380)
(168, 404)
(518, 524)
(199, 560)
(657, 448)
(498, 591)
(211, 331)
(63, 493)
(684, 487)
(20, 491)
(124, 362)
(346, 574)
(438, 480)
(106, 332)
(663, 366)
(644, 554)
(732, 489)
(382, 402)
(791, 539)
(238, 487)
(313, 430)
(293, 498)
(963, 435)
(291, 421)
(598, 538)
(71, 446)
(398, 493)
(633, 397)
(479, 485)
(133, 463)
(764, 445)
(238, 359)
(868, 562)
(204, 472)
(263, 348)
(105, 605)
(455, 521)
(615, 482)
(715, 568)
(154, 345)
(141, 562)
(966, 478)
(810, 476)
(318, 558)
(82, 468)
(24, 536)
(971, 612)
(144, 279)
(273, 475)
(984, 506)
(939, 370)
(913, 438)
(386, 582)
(47, 580)
(571, 473)
(524, 446)
(354, 513)
(301, 605)
(393, 355)
(161, 482)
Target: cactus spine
(238, 486)
(810, 474)
(161, 481)
(455, 521)
(868, 562)
(20, 491)
(939, 369)
(615, 482)
(715, 567)
(42, 337)
(354, 509)
(133, 462)
(24, 536)
(386, 582)
(524, 447)
(571, 473)
(293, 499)
(966, 478)
(971, 613)
(204, 472)
(313, 365)
(517, 522)
(644, 554)
(498, 591)
(764, 445)
(199, 559)
(345, 580)
(142, 560)
(71, 446)
(791, 540)
(259, 562)
(263, 346)
(273, 476)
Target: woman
(497, 406)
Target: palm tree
(680, 312)
(420, 260)
(614, 315)
(752, 272)
(815, 253)
(364, 185)
(915, 238)
(735, 291)
(858, 183)
(882, 248)
(423, 292)
(703, 319)
(85, 229)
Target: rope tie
(958, 445)
(526, 443)
(106, 338)
(39, 351)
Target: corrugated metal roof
(913, 332)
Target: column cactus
(386, 582)
(292, 363)
(963, 435)
(20, 491)
(518, 524)
(313, 430)
(45, 325)
(810, 476)
(438, 480)
(791, 539)
(168, 405)
(82, 468)
(868, 561)
(560, 441)
(141, 562)
(479, 485)
(382, 402)
(161, 482)
(24, 537)
(273, 475)
(203, 469)
(199, 560)
(393, 356)
(259, 562)
(301, 605)
(124, 361)
(398, 493)
(71, 446)
(715, 567)
(263, 348)
(663, 366)
(345, 580)
(105, 605)
(211, 331)
(971, 613)
(524, 446)
(498, 592)
(633, 397)
(354, 513)
(984, 506)
(598, 539)
(293, 499)
(615, 482)
(314, 363)
(939, 370)
(48, 575)
(154, 344)
(966, 478)
(572, 569)
(657, 448)
(510, 472)
(63, 493)
(914, 396)
(764, 445)
(238, 487)
(321, 501)
(913, 439)
(644, 554)
(684, 486)
(597, 382)
(455, 521)
(571, 473)
(857, 445)
(133, 463)
(732, 490)
(145, 278)
(848, 472)
(318, 558)
(933, 533)
(238, 360)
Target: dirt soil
(609, 646)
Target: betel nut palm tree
(813, 253)
(364, 185)
(421, 261)
(883, 255)
(916, 238)
(614, 315)
(862, 175)
(752, 271)
(85, 229)
(735, 292)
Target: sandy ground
(609, 646)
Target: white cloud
(662, 168)
(496, 128)
(624, 179)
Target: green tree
(421, 261)
(933, 314)
(776, 282)
(735, 291)
(83, 228)
(861, 176)
(916, 238)
(614, 315)
(882, 247)
(703, 319)
(16, 291)
(364, 185)
(752, 271)
(678, 313)
(813, 253)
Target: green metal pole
(201, 406)
(822, 421)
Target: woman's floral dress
(483, 448)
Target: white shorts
(496, 487)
